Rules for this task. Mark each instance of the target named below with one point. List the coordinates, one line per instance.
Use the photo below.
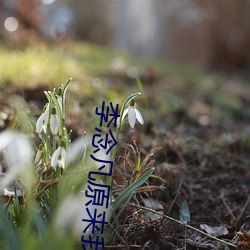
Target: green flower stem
(66, 137)
(46, 150)
(65, 87)
(53, 97)
(47, 137)
(54, 142)
(109, 179)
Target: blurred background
(212, 34)
(193, 60)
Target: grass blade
(128, 191)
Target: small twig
(227, 207)
(173, 202)
(49, 185)
(149, 188)
(183, 224)
(57, 180)
(121, 246)
(145, 245)
(185, 242)
(239, 217)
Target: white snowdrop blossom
(82, 148)
(17, 152)
(42, 122)
(54, 121)
(133, 114)
(72, 212)
(59, 157)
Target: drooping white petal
(42, 121)
(133, 114)
(39, 123)
(18, 156)
(67, 215)
(132, 117)
(5, 139)
(78, 148)
(62, 161)
(64, 154)
(139, 116)
(54, 124)
(124, 113)
(59, 157)
(55, 156)
(44, 127)
(71, 215)
(19, 151)
(80, 151)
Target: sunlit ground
(198, 119)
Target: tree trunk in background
(229, 35)
(29, 17)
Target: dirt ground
(200, 136)
(202, 171)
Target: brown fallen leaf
(245, 236)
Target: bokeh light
(48, 2)
(58, 31)
(11, 24)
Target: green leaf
(39, 222)
(11, 238)
(65, 87)
(185, 212)
(122, 208)
(128, 191)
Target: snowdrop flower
(54, 121)
(17, 152)
(59, 157)
(42, 122)
(78, 148)
(133, 114)
(81, 149)
(72, 211)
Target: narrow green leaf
(128, 191)
(129, 98)
(122, 208)
(39, 222)
(138, 163)
(11, 238)
(65, 87)
(184, 212)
